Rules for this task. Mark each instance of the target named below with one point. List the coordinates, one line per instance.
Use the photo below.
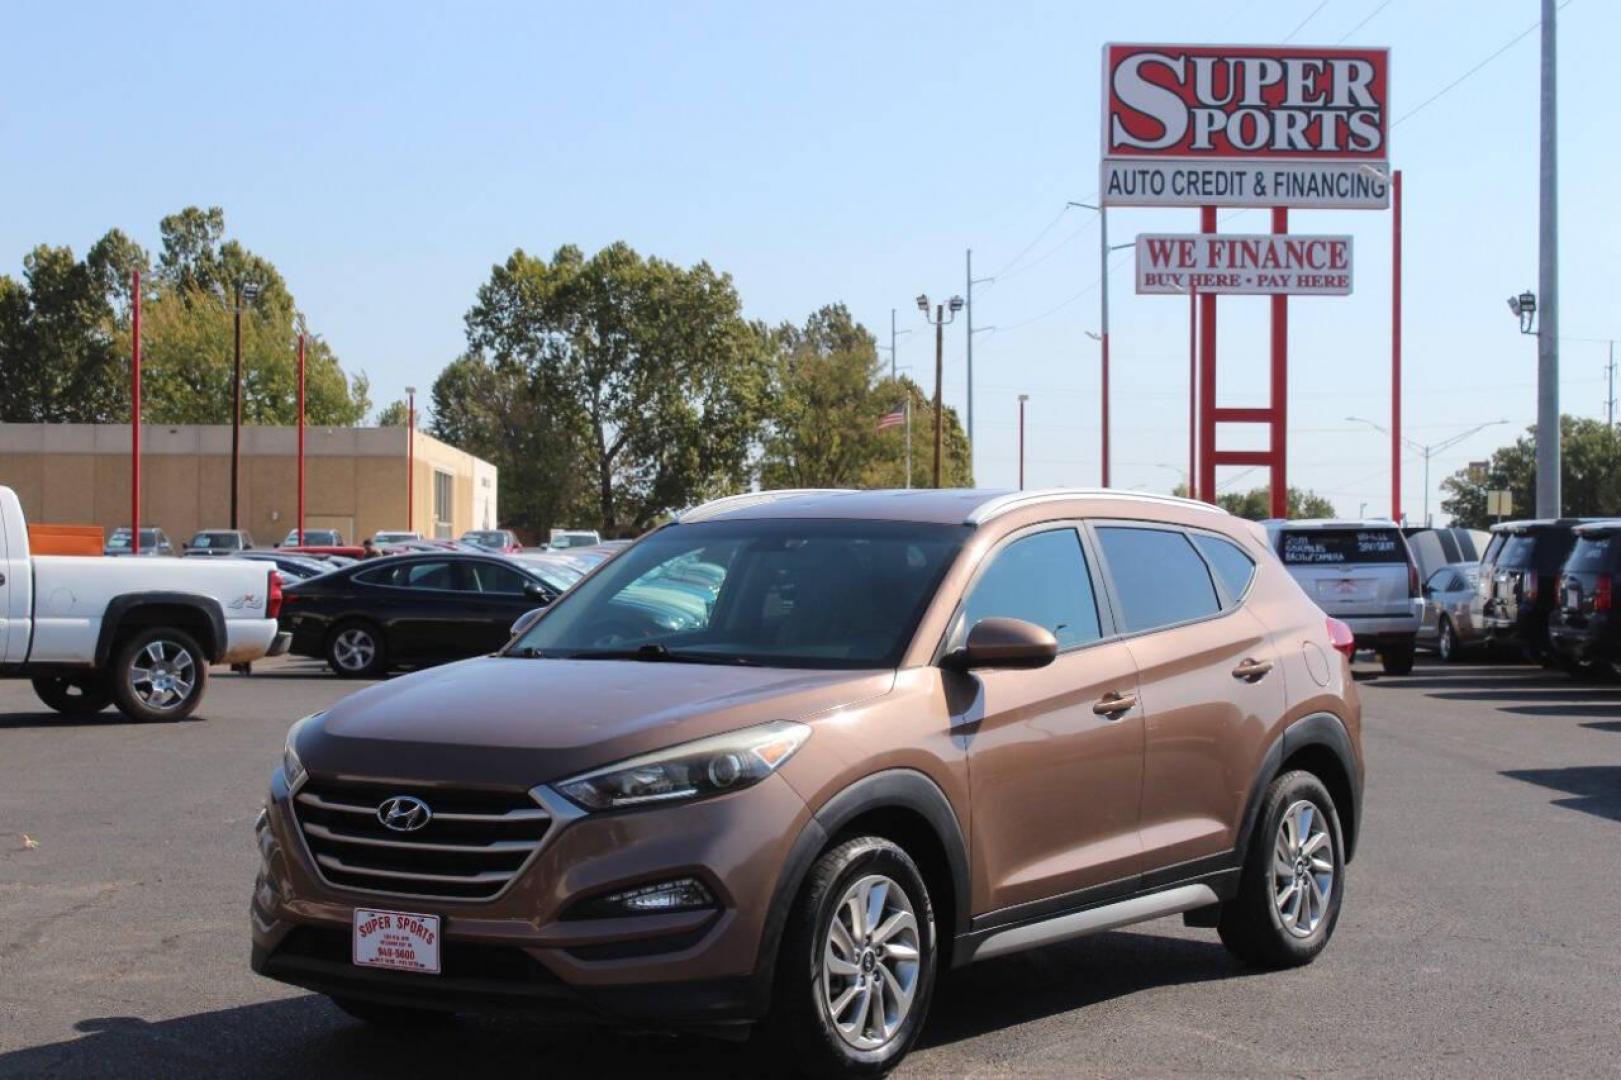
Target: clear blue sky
(386, 155)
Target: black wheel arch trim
(1318, 729)
(900, 789)
(121, 607)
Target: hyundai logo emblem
(404, 813)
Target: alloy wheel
(163, 675)
(1448, 642)
(354, 649)
(1303, 869)
(871, 959)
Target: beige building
(354, 479)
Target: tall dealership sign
(1221, 125)
(1272, 127)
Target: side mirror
(1004, 643)
(526, 620)
(535, 591)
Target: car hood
(510, 721)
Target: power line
(1449, 87)
(1026, 249)
(1365, 21)
(1304, 21)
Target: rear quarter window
(1595, 553)
(1227, 559)
(1340, 547)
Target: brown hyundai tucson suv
(788, 759)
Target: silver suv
(1362, 573)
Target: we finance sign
(1218, 125)
(1263, 263)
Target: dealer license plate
(1346, 589)
(397, 940)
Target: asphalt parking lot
(1478, 938)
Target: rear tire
(393, 1017)
(1397, 659)
(74, 697)
(853, 987)
(1293, 880)
(159, 674)
(356, 650)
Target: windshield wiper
(655, 652)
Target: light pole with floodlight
(939, 322)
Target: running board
(1093, 920)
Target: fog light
(682, 894)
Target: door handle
(1114, 705)
(1252, 670)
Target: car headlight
(291, 766)
(691, 770)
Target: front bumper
(519, 951)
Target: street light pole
(244, 293)
(1103, 336)
(410, 457)
(1022, 399)
(1548, 434)
(1427, 451)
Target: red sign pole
(1193, 391)
(1395, 347)
(300, 440)
(135, 414)
(1280, 385)
(1207, 378)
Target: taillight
(273, 596)
(1341, 638)
(1601, 593)
(1529, 584)
(1413, 588)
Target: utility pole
(1022, 399)
(940, 322)
(969, 305)
(1609, 400)
(1549, 501)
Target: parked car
(1519, 583)
(563, 539)
(1434, 548)
(410, 609)
(293, 567)
(218, 542)
(913, 732)
(1362, 573)
(556, 569)
(330, 552)
(397, 536)
(313, 538)
(92, 632)
(1448, 625)
(153, 542)
(1583, 630)
(502, 540)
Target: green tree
(59, 358)
(1256, 503)
(652, 362)
(397, 414)
(505, 416)
(1590, 475)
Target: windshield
(574, 540)
(203, 541)
(782, 593)
(488, 539)
(120, 539)
(1320, 547)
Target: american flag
(892, 419)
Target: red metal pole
(135, 414)
(300, 440)
(1395, 348)
(1280, 386)
(411, 461)
(1193, 391)
(1207, 377)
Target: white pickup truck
(138, 633)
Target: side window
(494, 578)
(425, 575)
(1227, 559)
(1041, 579)
(1160, 578)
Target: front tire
(159, 674)
(74, 697)
(1293, 878)
(1446, 641)
(857, 966)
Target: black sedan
(411, 609)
